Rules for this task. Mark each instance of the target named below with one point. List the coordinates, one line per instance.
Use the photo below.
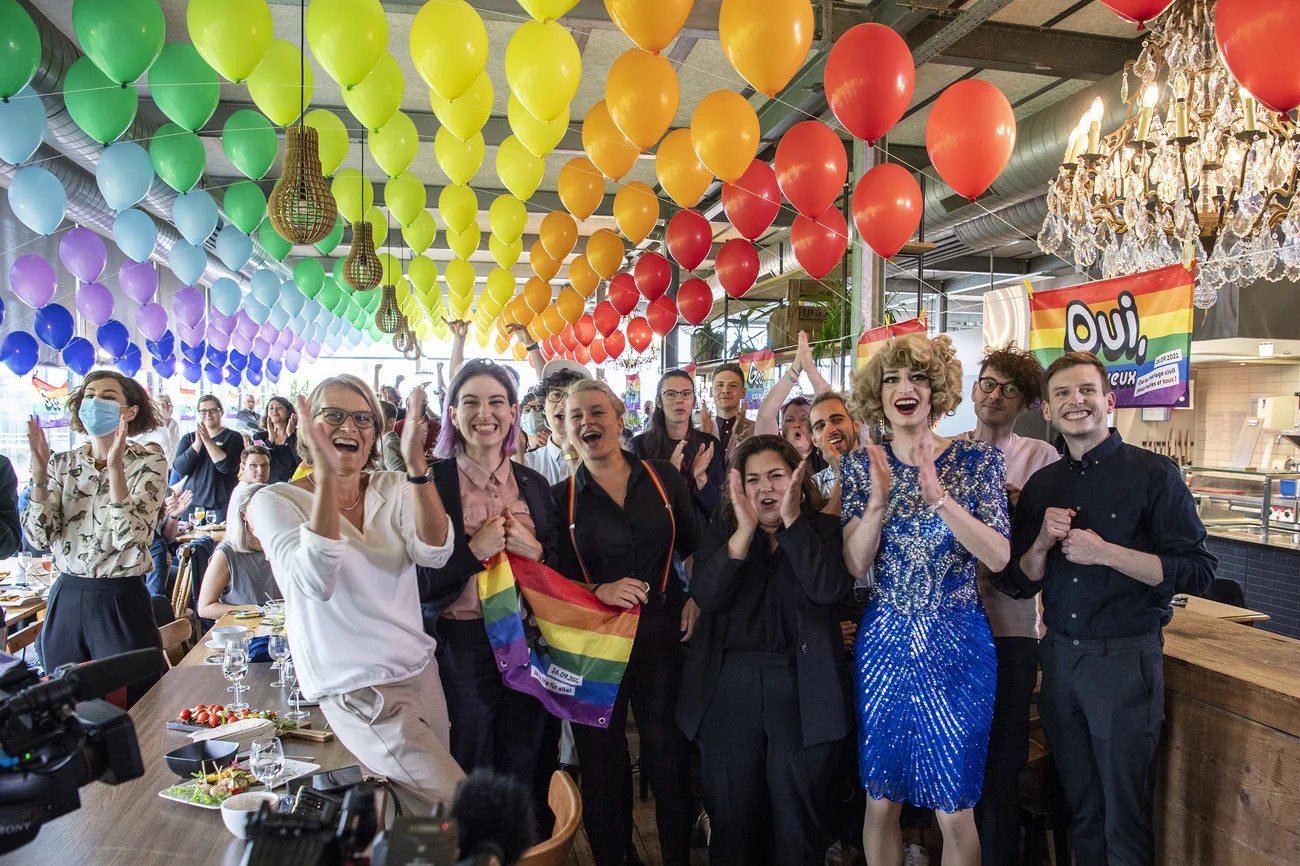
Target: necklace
(342, 507)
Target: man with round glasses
(551, 460)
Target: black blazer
(813, 555)
(439, 587)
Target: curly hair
(1018, 365)
(146, 418)
(936, 357)
(812, 499)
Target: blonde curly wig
(936, 357)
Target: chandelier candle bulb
(1180, 119)
(1248, 110)
(1149, 97)
(1094, 126)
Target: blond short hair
(596, 385)
(316, 402)
(236, 533)
(936, 357)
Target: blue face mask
(99, 417)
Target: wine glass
(266, 761)
(290, 675)
(200, 515)
(24, 566)
(47, 562)
(278, 648)
(234, 667)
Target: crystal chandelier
(631, 360)
(1198, 170)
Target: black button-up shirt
(1130, 497)
(708, 498)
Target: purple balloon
(246, 328)
(139, 280)
(219, 339)
(292, 360)
(312, 349)
(298, 343)
(188, 305)
(240, 342)
(254, 377)
(269, 332)
(95, 303)
(276, 353)
(192, 335)
(33, 281)
(220, 321)
(286, 339)
(261, 348)
(151, 320)
(165, 367)
(83, 254)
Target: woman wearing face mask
(532, 423)
(238, 574)
(618, 521)
(280, 436)
(671, 435)
(96, 507)
(922, 510)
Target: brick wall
(1270, 577)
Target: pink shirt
(484, 495)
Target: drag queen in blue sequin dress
(921, 510)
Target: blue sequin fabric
(925, 664)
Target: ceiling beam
(1031, 50)
(971, 265)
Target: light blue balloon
(135, 233)
(279, 317)
(324, 317)
(234, 248)
(257, 311)
(225, 293)
(37, 199)
(354, 338)
(310, 310)
(334, 341)
(195, 215)
(336, 327)
(22, 124)
(297, 325)
(291, 298)
(124, 174)
(266, 287)
(188, 262)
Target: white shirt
(549, 461)
(352, 606)
(167, 437)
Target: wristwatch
(531, 347)
(421, 479)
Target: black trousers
(1103, 703)
(94, 618)
(770, 798)
(650, 684)
(999, 806)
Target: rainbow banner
(760, 376)
(49, 406)
(1139, 326)
(871, 341)
(573, 658)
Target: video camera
(56, 736)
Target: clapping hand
(804, 352)
(931, 490)
(177, 503)
(40, 449)
(678, 452)
(117, 451)
(700, 465)
(324, 457)
(706, 418)
(413, 433)
(881, 477)
(746, 513)
(792, 502)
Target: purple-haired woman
(494, 504)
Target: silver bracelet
(934, 509)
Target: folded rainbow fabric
(567, 648)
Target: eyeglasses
(336, 417)
(555, 395)
(1009, 390)
(209, 411)
(673, 396)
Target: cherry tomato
(212, 722)
(216, 708)
(200, 708)
(201, 718)
(185, 715)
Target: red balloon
(811, 166)
(818, 244)
(585, 329)
(568, 338)
(662, 315)
(623, 294)
(639, 334)
(1142, 11)
(654, 274)
(598, 354)
(582, 354)
(689, 237)
(695, 300)
(615, 343)
(605, 317)
(548, 348)
(1257, 41)
(887, 208)
(736, 266)
(753, 201)
(969, 135)
(869, 79)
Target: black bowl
(205, 755)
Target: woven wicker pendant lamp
(362, 269)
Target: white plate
(166, 796)
(292, 770)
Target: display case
(1254, 505)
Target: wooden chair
(566, 803)
(23, 638)
(174, 637)
(184, 581)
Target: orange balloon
(605, 252)
(606, 144)
(766, 40)
(537, 327)
(642, 92)
(537, 294)
(524, 314)
(583, 276)
(558, 233)
(544, 264)
(725, 133)
(581, 187)
(636, 210)
(554, 320)
(651, 24)
(570, 304)
(680, 171)
(518, 351)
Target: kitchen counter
(1279, 539)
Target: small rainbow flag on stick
(871, 341)
(573, 658)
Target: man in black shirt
(729, 423)
(209, 459)
(1108, 533)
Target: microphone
(74, 683)
(495, 814)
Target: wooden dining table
(1219, 610)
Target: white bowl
(235, 810)
(222, 634)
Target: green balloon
(272, 242)
(20, 48)
(309, 276)
(329, 295)
(332, 239)
(250, 143)
(178, 156)
(123, 37)
(184, 86)
(374, 332)
(245, 205)
(337, 273)
(340, 307)
(100, 107)
(368, 300)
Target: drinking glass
(200, 515)
(278, 648)
(297, 714)
(24, 566)
(234, 667)
(47, 563)
(266, 761)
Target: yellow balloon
(766, 40)
(422, 271)
(379, 95)
(604, 253)
(424, 330)
(391, 270)
(570, 304)
(459, 160)
(642, 93)
(537, 294)
(518, 169)
(458, 207)
(459, 276)
(504, 254)
(419, 235)
(489, 307)
(501, 285)
(584, 278)
(347, 37)
(507, 216)
(231, 35)
(725, 133)
(463, 244)
(636, 210)
(547, 10)
(378, 225)
(537, 137)
(651, 24)
(606, 145)
(543, 68)
(558, 234)
(275, 83)
(465, 115)
(581, 187)
(449, 46)
(543, 263)
(680, 171)
(333, 138)
(405, 198)
(353, 193)
(394, 146)
(481, 336)
(458, 307)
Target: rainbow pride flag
(760, 376)
(1140, 327)
(566, 648)
(871, 341)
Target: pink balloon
(33, 281)
(188, 305)
(95, 303)
(139, 280)
(83, 254)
